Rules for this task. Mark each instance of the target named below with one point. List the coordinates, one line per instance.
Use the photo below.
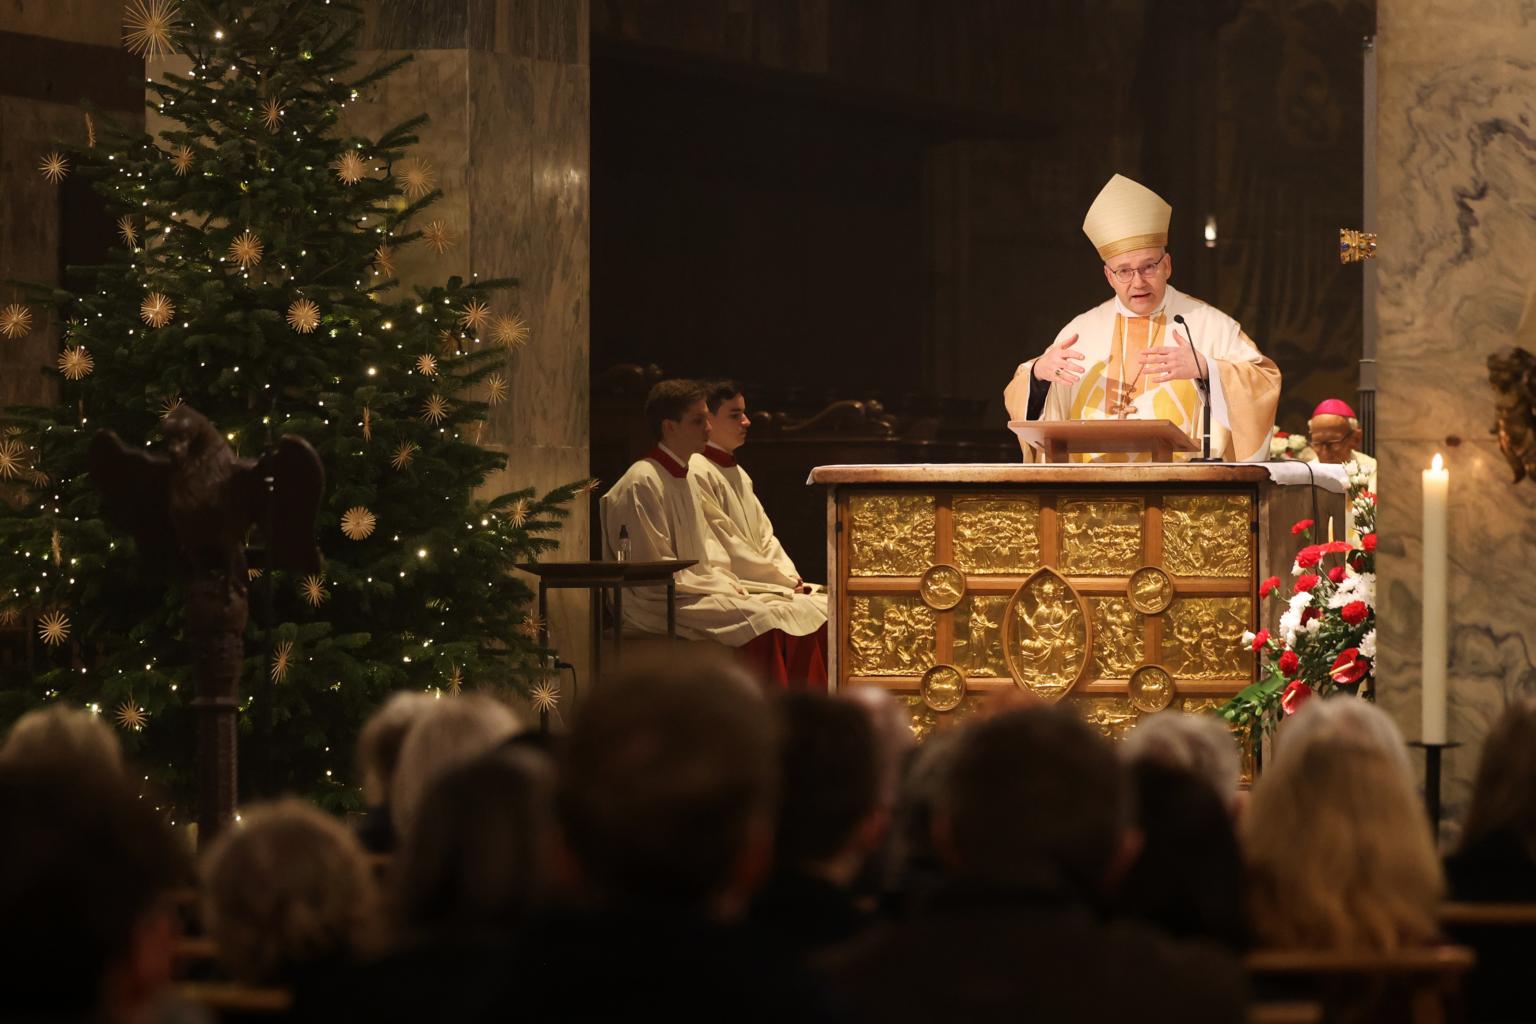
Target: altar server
(730, 506)
(655, 508)
(1129, 357)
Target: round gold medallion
(942, 587)
(1151, 688)
(1150, 590)
(943, 687)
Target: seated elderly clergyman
(654, 509)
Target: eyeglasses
(1125, 275)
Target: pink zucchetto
(1333, 407)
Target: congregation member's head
(1035, 798)
(1339, 849)
(833, 801)
(1343, 718)
(1199, 744)
(1128, 225)
(286, 890)
(678, 416)
(668, 783)
(477, 859)
(72, 737)
(87, 873)
(1504, 793)
(447, 734)
(379, 743)
(728, 422)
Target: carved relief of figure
(1048, 647)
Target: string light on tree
(15, 320)
(54, 167)
(303, 316)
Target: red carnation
(1295, 695)
(1260, 639)
(1302, 527)
(1269, 586)
(1349, 667)
(1305, 583)
(1354, 613)
(1336, 574)
(1289, 663)
(1281, 433)
(1368, 542)
(1309, 556)
(1334, 547)
(1308, 614)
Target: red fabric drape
(789, 662)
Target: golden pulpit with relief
(1121, 590)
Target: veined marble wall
(1456, 182)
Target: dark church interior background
(871, 213)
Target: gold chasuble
(1245, 385)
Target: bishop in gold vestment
(1128, 357)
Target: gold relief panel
(1201, 638)
(1047, 633)
(979, 636)
(890, 636)
(1119, 643)
(892, 534)
(1100, 536)
(941, 587)
(1206, 706)
(1111, 713)
(1151, 688)
(925, 721)
(1208, 535)
(942, 688)
(997, 535)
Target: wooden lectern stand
(1059, 439)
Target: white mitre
(1125, 217)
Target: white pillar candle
(1437, 481)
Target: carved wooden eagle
(198, 500)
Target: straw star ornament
(127, 231)
(15, 320)
(90, 132)
(131, 716)
(54, 167)
(531, 625)
(157, 310)
(404, 454)
(435, 410)
(282, 656)
(474, 315)
(169, 406)
(76, 363)
(313, 589)
(181, 159)
(357, 522)
(303, 316)
(545, 698)
(510, 331)
(246, 249)
(455, 680)
(53, 628)
(148, 27)
(436, 236)
(350, 168)
(416, 178)
(272, 114)
(13, 459)
(426, 365)
(384, 260)
(496, 389)
(517, 512)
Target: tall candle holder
(1432, 752)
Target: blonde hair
(451, 732)
(378, 745)
(291, 886)
(1348, 719)
(63, 735)
(1339, 852)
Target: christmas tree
(255, 283)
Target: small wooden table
(600, 577)
(1060, 439)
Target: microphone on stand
(1204, 381)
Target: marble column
(1456, 163)
(53, 56)
(506, 84)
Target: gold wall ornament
(942, 687)
(979, 635)
(1112, 714)
(890, 636)
(997, 535)
(1047, 634)
(1100, 536)
(1208, 535)
(891, 534)
(1119, 643)
(941, 587)
(1150, 590)
(1151, 688)
(1356, 246)
(1201, 638)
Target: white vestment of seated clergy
(655, 501)
(739, 523)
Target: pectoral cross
(1120, 397)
